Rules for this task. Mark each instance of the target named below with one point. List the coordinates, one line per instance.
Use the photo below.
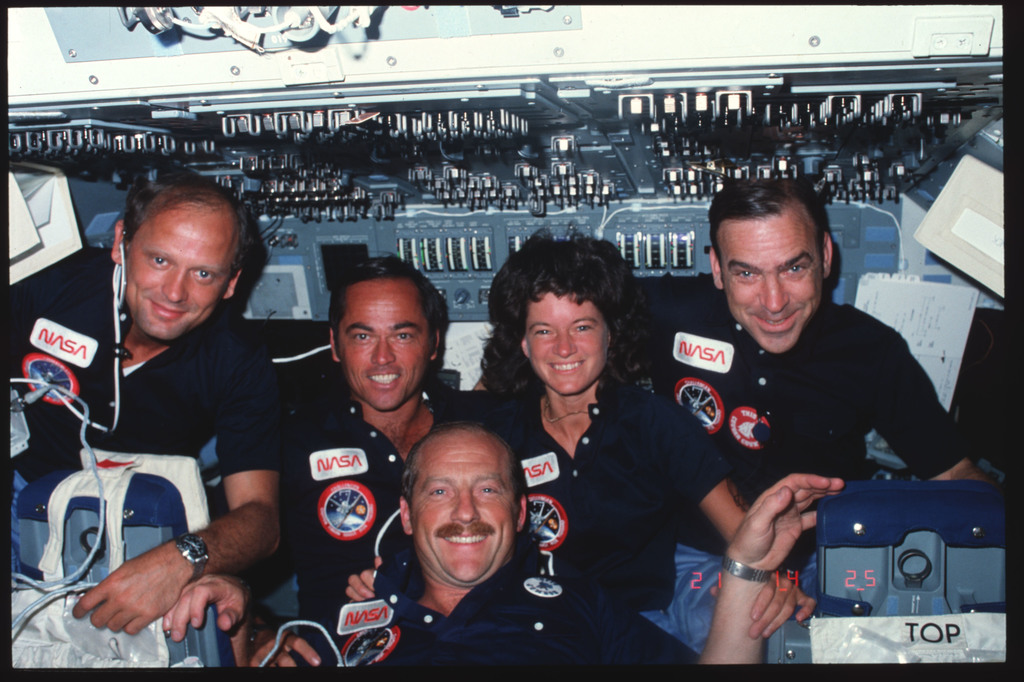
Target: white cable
(280, 636)
(119, 282)
(302, 356)
(383, 529)
(551, 561)
(68, 583)
(900, 265)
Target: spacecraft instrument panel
(448, 134)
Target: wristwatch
(745, 572)
(193, 548)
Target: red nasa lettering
(339, 461)
(57, 340)
(713, 355)
(366, 616)
(539, 469)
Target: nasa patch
(540, 469)
(363, 615)
(337, 462)
(44, 368)
(66, 344)
(703, 402)
(548, 522)
(347, 510)
(369, 646)
(742, 422)
(703, 353)
(540, 586)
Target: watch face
(192, 546)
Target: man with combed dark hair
(469, 592)
(163, 366)
(783, 378)
(343, 454)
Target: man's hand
(291, 645)
(138, 592)
(776, 520)
(360, 585)
(146, 587)
(766, 536)
(226, 592)
(775, 603)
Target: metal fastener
(858, 529)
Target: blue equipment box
(153, 514)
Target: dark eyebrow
(734, 264)
(804, 255)
(362, 326)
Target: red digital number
(695, 583)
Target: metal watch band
(189, 545)
(745, 572)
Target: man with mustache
(469, 591)
(343, 453)
(149, 345)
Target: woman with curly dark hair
(611, 467)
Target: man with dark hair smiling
(469, 592)
(343, 453)
(784, 379)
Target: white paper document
(934, 318)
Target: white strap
(83, 484)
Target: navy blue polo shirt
(516, 617)
(806, 410)
(611, 511)
(340, 485)
(217, 380)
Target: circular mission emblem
(347, 510)
(370, 646)
(702, 400)
(743, 422)
(44, 368)
(548, 522)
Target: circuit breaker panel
(449, 134)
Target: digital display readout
(699, 580)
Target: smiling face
(177, 268)
(384, 344)
(567, 345)
(772, 272)
(463, 514)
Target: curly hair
(583, 269)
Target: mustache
(474, 528)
